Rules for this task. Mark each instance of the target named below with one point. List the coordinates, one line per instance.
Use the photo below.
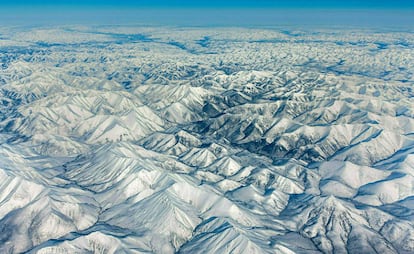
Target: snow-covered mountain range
(206, 140)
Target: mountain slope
(206, 140)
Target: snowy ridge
(198, 140)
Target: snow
(206, 140)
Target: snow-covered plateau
(206, 140)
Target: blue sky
(357, 13)
(337, 4)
